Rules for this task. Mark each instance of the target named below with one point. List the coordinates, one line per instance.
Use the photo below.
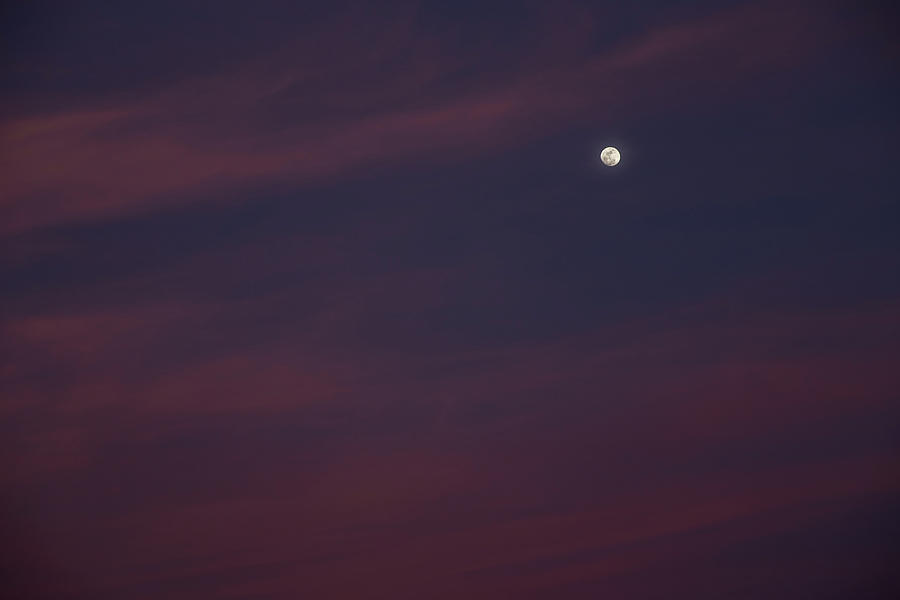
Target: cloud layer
(333, 307)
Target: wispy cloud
(335, 117)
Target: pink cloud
(211, 133)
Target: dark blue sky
(338, 302)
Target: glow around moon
(610, 156)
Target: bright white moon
(610, 156)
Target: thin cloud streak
(211, 133)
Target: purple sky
(338, 302)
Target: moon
(610, 156)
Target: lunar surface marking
(610, 156)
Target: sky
(337, 301)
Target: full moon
(610, 156)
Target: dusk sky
(338, 302)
